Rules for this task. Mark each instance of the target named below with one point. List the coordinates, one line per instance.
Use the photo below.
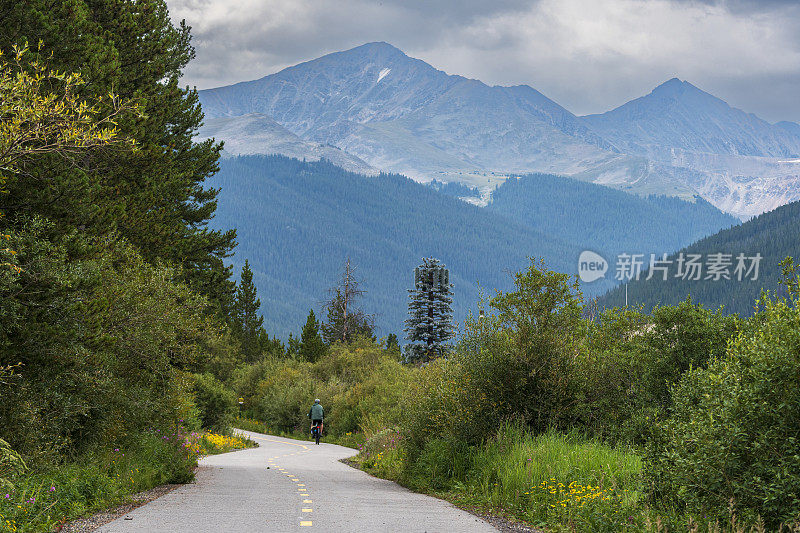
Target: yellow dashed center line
(301, 487)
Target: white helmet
(316, 400)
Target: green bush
(102, 336)
(631, 360)
(734, 433)
(11, 464)
(215, 402)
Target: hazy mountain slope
(792, 127)
(259, 134)
(297, 223)
(400, 114)
(606, 220)
(676, 115)
(775, 235)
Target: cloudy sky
(588, 55)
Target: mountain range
(375, 108)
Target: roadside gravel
(85, 525)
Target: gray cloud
(587, 55)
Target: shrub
(734, 433)
(360, 385)
(215, 402)
(632, 359)
(11, 464)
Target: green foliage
(37, 120)
(392, 342)
(360, 385)
(11, 464)
(154, 197)
(734, 433)
(312, 348)
(215, 402)
(790, 278)
(515, 364)
(107, 327)
(344, 319)
(631, 360)
(246, 323)
(99, 479)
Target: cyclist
(316, 414)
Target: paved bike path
(287, 485)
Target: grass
(554, 480)
(561, 482)
(38, 501)
(251, 424)
(557, 479)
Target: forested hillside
(774, 235)
(298, 222)
(606, 220)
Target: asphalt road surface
(288, 485)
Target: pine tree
(312, 347)
(345, 321)
(430, 322)
(391, 342)
(247, 323)
(155, 197)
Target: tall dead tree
(345, 320)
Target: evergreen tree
(312, 347)
(391, 342)
(430, 322)
(247, 323)
(345, 321)
(154, 197)
(292, 346)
